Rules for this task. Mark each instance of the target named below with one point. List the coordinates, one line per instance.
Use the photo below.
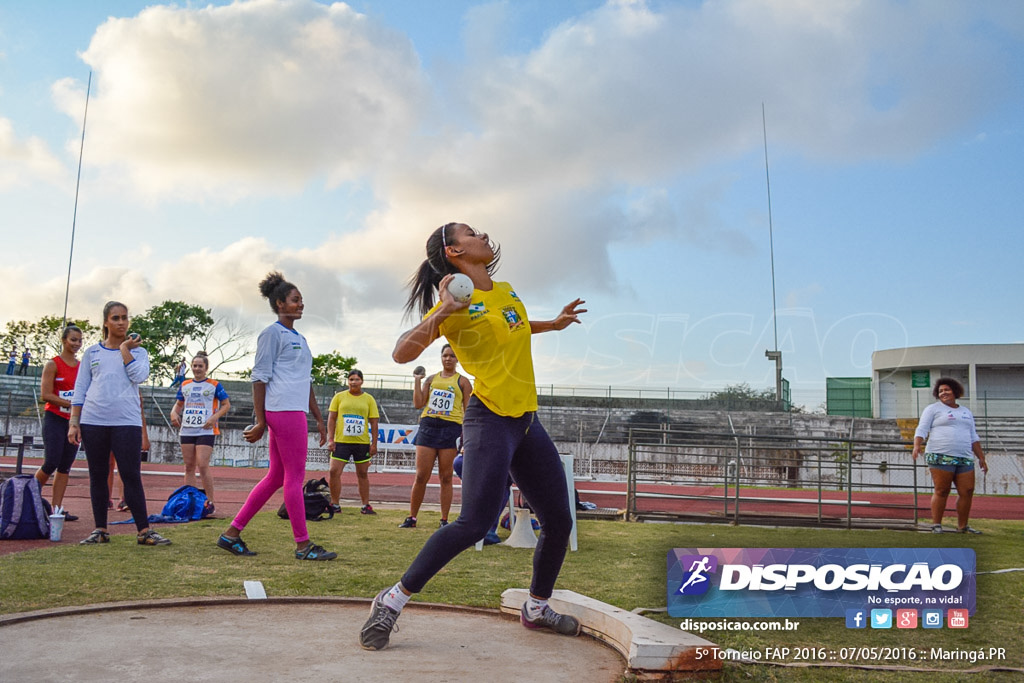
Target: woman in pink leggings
(282, 394)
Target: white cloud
(25, 160)
(250, 97)
(560, 153)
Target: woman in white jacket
(106, 417)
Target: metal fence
(772, 479)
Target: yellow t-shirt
(354, 414)
(492, 340)
(444, 398)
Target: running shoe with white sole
(549, 618)
(376, 632)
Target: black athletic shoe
(314, 552)
(409, 523)
(235, 546)
(367, 510)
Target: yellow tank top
(444, 399)
(492, 340)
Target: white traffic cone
(522, 535)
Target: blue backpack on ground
(24, 514)
(186, 504)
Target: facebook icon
(856, 618)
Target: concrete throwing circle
(256, 641)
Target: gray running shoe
(377, 630)
(549, 618)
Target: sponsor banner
(395, 437)
(817, 582)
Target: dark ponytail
(275, 289)
(427, 277)
(423, 283)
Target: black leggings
(493, 447)
(126, 444)
(59, 453)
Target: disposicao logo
(817, 582)
(696, 580)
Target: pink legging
(289, 445)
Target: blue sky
(614, 149)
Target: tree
(328, 368)
(42, 337)
(743, 397)
(225, 342)
(741, 392)
(166, 330)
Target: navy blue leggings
(126, 444)
(494, 446)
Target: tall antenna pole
(771, 238)
(775, 355)
(78, 183)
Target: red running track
(391, 490)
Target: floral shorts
(950, 463)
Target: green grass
(618, 563)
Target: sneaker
(314, 552)
(235, 546)
(492, 538)
(409, 523)
(97, 536)
(968, 530)
(442, 524)
(367, 510)
(208, 509)
(68, 517)
(549, 618)
(122, 506)
(936, 528)
(376, 632)
(335, 508)
(151, 537)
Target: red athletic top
(63, 386)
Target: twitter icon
(881, 618)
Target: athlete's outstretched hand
(569, 315)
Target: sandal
(314, 552)
(968, 530)
(235, 546)
(97, 536)
(150, 537)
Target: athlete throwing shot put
(490, 333)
